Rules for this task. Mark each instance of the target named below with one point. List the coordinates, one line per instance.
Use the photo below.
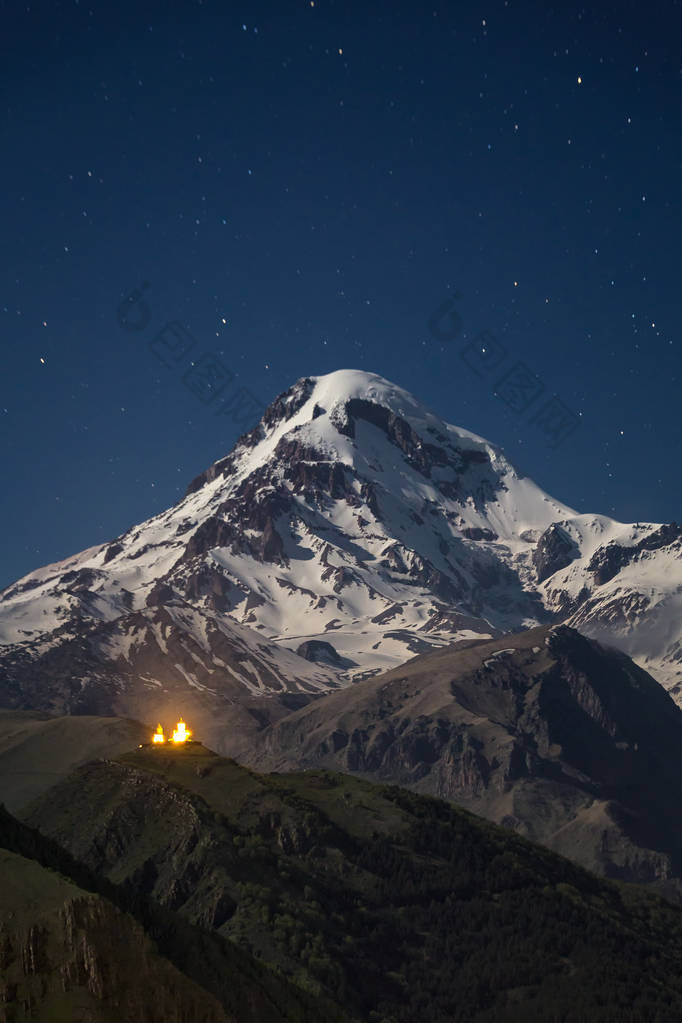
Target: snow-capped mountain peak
(357, 527)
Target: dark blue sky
(323, 178)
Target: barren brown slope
(566, 741)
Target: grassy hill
(36, 749)
(67, 955)
(74, 946)
(396, 906)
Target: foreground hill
(36, 750)
(398, 906)
(350, 529)
(545, 731)
(74, 946)
(70, 955)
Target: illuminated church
(180, 734)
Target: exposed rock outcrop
(318, 650)
(554, 550)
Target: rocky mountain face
(547, 732)
(349, 530)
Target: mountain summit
(349, 530)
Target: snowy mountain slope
(162, 662)
(627, 590)
(357, 527)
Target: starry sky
(202, 202)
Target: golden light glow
(181, 734)
(158, 735)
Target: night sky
(296, 188)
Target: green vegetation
(67, 955)
(248, 991)
(37, 750)
(397, 907)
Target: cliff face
(69, 955)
